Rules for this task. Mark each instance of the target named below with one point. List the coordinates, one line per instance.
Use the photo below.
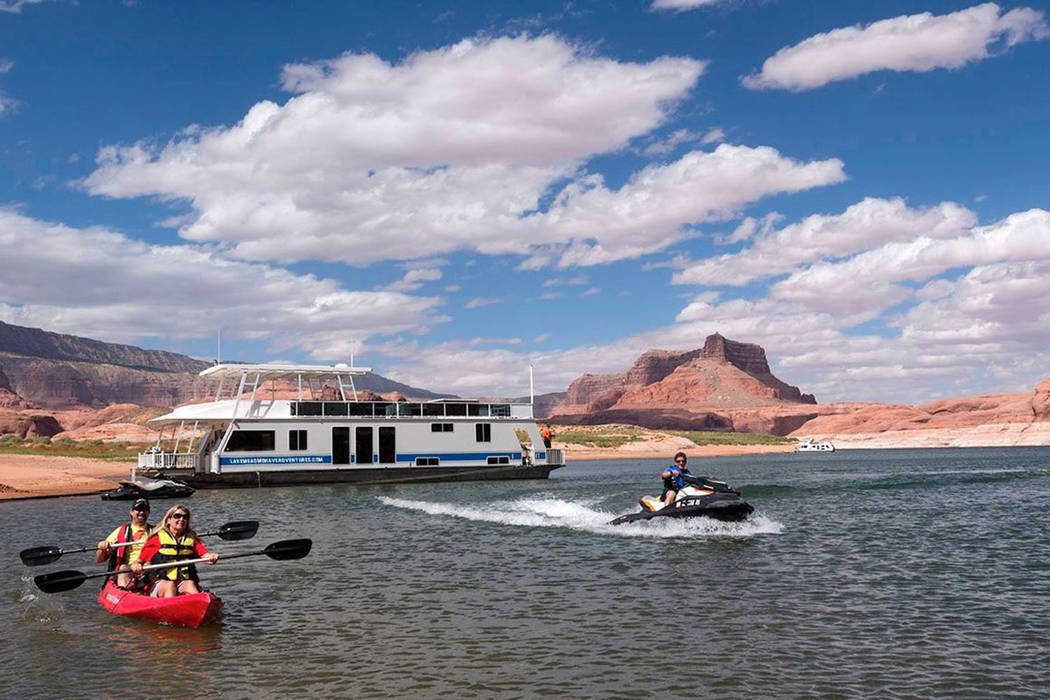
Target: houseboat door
(364, 445)
(340, 445)
(387, 447)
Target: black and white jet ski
(144, 487)
(701, 497)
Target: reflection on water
(891, 574)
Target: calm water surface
(899, 573)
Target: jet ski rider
(672, 477)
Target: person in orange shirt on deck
(546, 434)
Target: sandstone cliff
(724, 385)
(989, 420)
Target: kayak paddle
(283, 550)
(38, 556)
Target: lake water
(895, 573)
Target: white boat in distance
(810, 445)
(249, 437)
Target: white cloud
(682, 5)
(865, 283)
(921, 42)
(862, 226)
(993, 305)
(750, 226)
(672, 141)
(371, 161)
(414, 279)
(715, 135)
(648, 213)
(478, 302)
(15, 6)
(495, 341)
(101, 284)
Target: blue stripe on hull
(404, 457)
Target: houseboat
(270, 425)
(810, 445)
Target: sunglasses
(141, 510)
(679, 461)
(179, 516)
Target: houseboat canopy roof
(282, 371)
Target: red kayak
(191, 610)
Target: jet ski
(144, 487)
(701, 496)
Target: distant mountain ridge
(35, 342)
(57, 371)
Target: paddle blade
(239, 530)
(38, 556)
(59, 581)
(288, 549)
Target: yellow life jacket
(175, 550)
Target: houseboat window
(334, 408)
(499, 460)
(499, 410)
(433, 409)
(478, 409)
(483, 432)
(360, 408)
(251, 441)
(309, 408)
(409, 409)
(455, 409)
(387, 447)
(427, 461)
(385, 408)
(296, 439)
(441, 427)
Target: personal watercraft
(144, 487)
(701, 496)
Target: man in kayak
(173, 539)
(121, 558)
(672, 477)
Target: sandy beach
(36, 476)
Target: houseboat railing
(155, 459)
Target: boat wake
(552, 512)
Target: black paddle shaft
(234, 531)
(284, 550)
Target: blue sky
(453, 191)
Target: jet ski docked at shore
(700, 497)
(144, 487)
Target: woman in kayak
(173, 540)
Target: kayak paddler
(121, 558)
(173, 539)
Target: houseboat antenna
(532, 393)
(218, 347)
